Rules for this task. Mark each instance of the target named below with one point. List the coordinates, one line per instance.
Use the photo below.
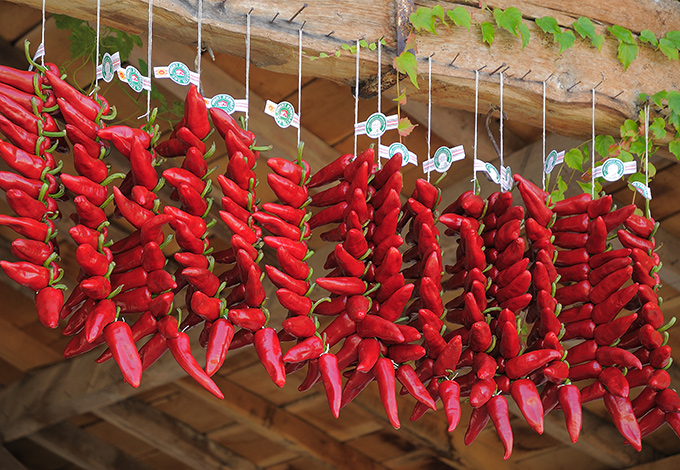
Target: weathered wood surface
(83, 449)
(171, 436)
(8, 461)
(274, 45)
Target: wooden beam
(83, 449)
(23, 351)
(669, 462)
(171, 436)
(274, 43)
(73, 387)
(279, 425)
(8, 461)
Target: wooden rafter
(8, 461)
(273, 45)
(171, 436)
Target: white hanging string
(379, 91)
(429, 109)
(42, 32)
(149, 46)
(356, 101)
(200, 40)
(299, 111)
(501, 132)
(96, 77)
(592, 159)
(248, 66)
(474, 155)
(543, 167)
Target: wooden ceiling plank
(73, 387)
(83, 449)
(171, 436)
(280, 426)
(669, 462)
(22, 350)
(274, 42)
(8, 461)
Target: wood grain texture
(274, 43)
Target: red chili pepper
(48, 303)
(332, 171)
(660, 357)
(268, 351)
(570, 400)
(340, 328)
(196, 113)
(81, 185)
(288, 192)
(332, 381)
(308, 348)
(223, 122)
(119, 339)
(221, 334)
(534, 203)
(28, 228)
(640, 226)
(621, 411)
(526, 396)
(606, 333)
(30, 166)
(497, 407)
(384, 375)
(628, 240)
(188, 139)
(614, 381)
(135, 300)
(375, 326)
(478, 420)
(526, 363)
(91, 261)
(180, 347)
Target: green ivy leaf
(406, 63)
(323, 55)
(423, 18)
(602, 144)
(438, 12)
(405, 126)
(625, 156)
(629, 128)
(460, 17)
(338, 53)
(488, 32)
(574, 159)
(345, 47)
(525, 34)
(598, 41)
(584, 27)
(558, 193)
(363, 43)
(622, 34)
(585, 186)
(373, 46)
(548, 24)
(566, 40)
(674, 147)
(651, 170)
(673, 98)
(648, 37)
(510, 19)
(401, 99)
(636, 178)
(658, 98)
(627, 53)
(668, 48)
(674, 37)
(637, 147)
(658, 128)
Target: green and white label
(552, 160)
(226, 103)
(398, 148)
(642, 189)
(283, 113)
(178, 73)
(132, 77)
(443, 158)
(376, 125)
(613, 169)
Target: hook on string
(487, 122)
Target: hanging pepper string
(544, 156)
(149, 47)
(379, 92)
(501, 132)
(592, 159)
(647, 212)
(299, 110)
(474, 154)
(356, 101)
(96, 77)
(248, 67)
(429, 109)
(42, 33)
(200, 41)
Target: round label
(492, 173)
(550, 161)
(223, 101)
(134, 78)
(179, 73)
(107, 68)
(400, 148)
(376, 125)
(612, 169)
(443, 159)
(507, 178)
(284, 114)
(642, 189)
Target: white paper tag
(613, 169)
(506, 179)
(283, 113)
(406, 155)
(178, 73)
(553, 159)
(227, 103)
(489, 169)
(642, 189)
(109, 66)
(376, 125)
(40, 52)
(132, 77)
(443, 158)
